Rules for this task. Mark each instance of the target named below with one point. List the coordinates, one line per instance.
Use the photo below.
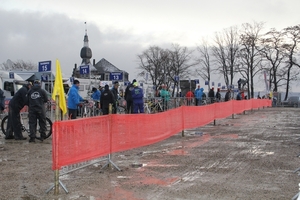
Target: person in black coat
(19, 100)
(115, 93)
(128, 97)
(37, 97)
(211, 95)
(107, 97)
(228, 95)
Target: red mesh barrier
(79, 140)
(84, 139)
(195, 116)
(223, 110)
(136, 130)
(238, 106)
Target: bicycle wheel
(4, 124)
(48, 128)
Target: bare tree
(272, 50)
(19, 65)
(180, 63)
(291, 46)
(225, 52)
(204, 61)
(152, 61)
(249, 57)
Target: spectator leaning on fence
(137, 98)
(165, 95)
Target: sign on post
(45, 66)
(116, 76)
(85, 69)
(11, 75)
(126, 83)
(44, 77)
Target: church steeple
(86, 52)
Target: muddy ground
(251, 156)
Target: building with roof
(101, 70)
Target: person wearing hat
(14, 126)
(106, 98)
(37, 97)
(128, 97)
(137, 98)
(115, 92)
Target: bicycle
(25, 128)
(90, 108)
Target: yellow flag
(59, 89)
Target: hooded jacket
(106, 98)
(199, 93)
(74, 98)
(96, 95)
(37, 97)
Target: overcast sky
(119, 30)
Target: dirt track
(252, 156)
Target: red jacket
(189, 94)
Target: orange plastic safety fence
(131, 131)
(79, 140)
(84, 139)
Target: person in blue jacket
(96, 98)
(74, 100)
(137, 98)
(96, 94)
(198, 95)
